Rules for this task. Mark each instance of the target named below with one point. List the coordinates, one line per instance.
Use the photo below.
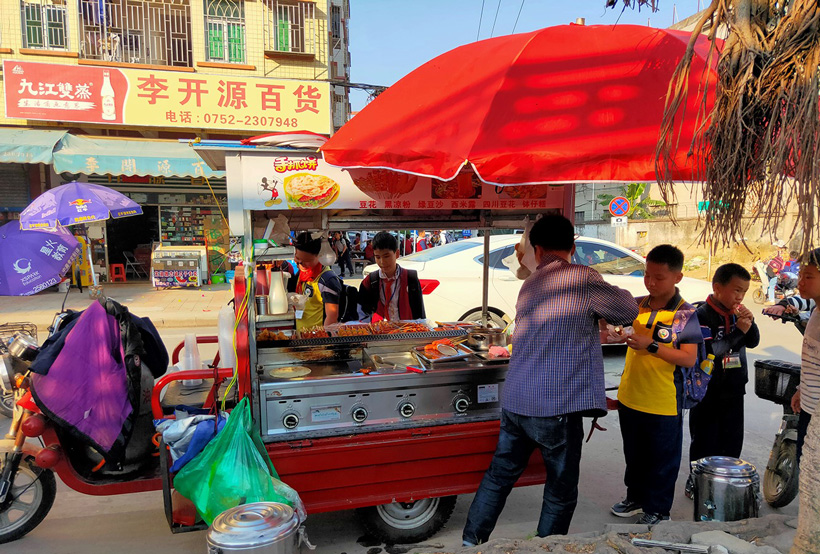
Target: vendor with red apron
(321, 286)
(392, 292)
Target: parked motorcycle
(777, 381)
(784, 288)
(27, 469)
(7, 333)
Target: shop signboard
(152, 98)
(166, 278)
(292, 181)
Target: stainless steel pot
(726, 489)
(24, 346)
(482, 338)
(256, 528)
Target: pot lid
(723, 465)
(253, 525)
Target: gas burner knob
(290, 421)
(406, 409)
(359, 414)
(461, 403)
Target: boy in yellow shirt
(665, 339)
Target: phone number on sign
(250, 120)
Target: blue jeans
(772, 285)
(559, 439)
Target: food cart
(352, 431)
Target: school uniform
(397, 298)
(650, 397)
(716, 422)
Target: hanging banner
(283, 182)
(149, 98)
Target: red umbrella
(563, 104)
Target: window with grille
(336, 22)
(225, 28)
(136, 31)
(290, 26)
(44, 25)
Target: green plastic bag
(234, 469)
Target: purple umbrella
(74, 203)
(31, 261)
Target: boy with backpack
(665, 341)
(728, 329)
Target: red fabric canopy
(563, 104)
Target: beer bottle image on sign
(109, 108)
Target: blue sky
(390, 38)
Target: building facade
(104, 91)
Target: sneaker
(467, 544)
(626, 508)
(651, 519)
(689, 489)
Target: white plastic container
(190, 359)
(278, 295)
(225, 324)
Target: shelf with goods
(184, 225)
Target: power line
(480, 17)
(517, 16)
(498, 7)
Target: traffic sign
(619, 206)
(619, 221)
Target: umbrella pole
(485, 293)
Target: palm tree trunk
(807, 540)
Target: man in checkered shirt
(556, 377)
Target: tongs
(380, 362)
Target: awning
(28, 146)
(121, 156)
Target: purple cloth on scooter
(85, 389)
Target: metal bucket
(256, 528)
(726, 489)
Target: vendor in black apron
(317, 282)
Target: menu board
(184, 225)
(296, 181)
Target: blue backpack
(695, 379)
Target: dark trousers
(652, 449)
(559, 439)
(342, 260)
(802, 427)
(716, 427)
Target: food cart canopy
(563, 104)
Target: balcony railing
(136, 31)
(290, 27)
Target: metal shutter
(14, 187)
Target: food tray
(487, 359)
(429, 358)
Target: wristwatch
(653, 347)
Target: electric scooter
(777, 381)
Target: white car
(451, 276)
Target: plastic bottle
(708, 364)
(190, 359)
(225, 325)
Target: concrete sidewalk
(173, 308)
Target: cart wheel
(407, 522)
(28, 501)
(7, 403)
(497, 317)
(760, 295)
(780, 484)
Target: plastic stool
(118, 273)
